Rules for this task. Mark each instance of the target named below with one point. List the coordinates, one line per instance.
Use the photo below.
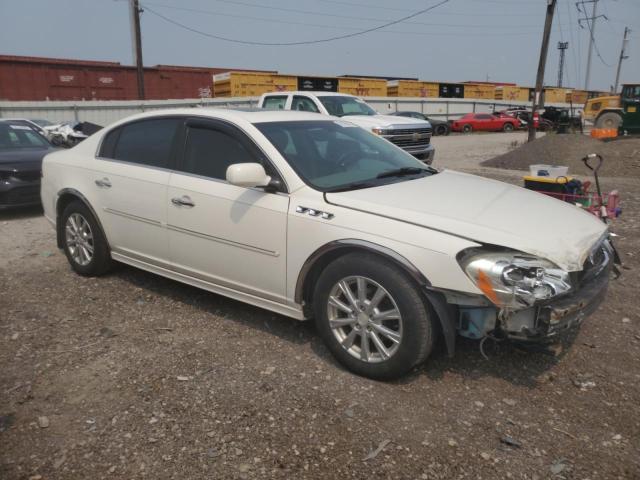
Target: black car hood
(21, 159)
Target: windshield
(338, 155)
(339, 106)
(41, 122)
(20, 136)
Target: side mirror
(247, 175)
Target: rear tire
(609, 120)
(398, 329)
(507, 127)
(467, 129)
(84, 242)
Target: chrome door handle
(183, 201)
(103, 183)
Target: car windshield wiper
(351, 186)
(401, 172)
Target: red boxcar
(36, 78)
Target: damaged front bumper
(545, 321)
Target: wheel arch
(65, 197)
(327, 253)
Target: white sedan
(310, 216)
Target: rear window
(274, 103)
(146, 142)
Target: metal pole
(562, 46)
(625, 40)
(544, 49)
(592, 35)
(135, 13)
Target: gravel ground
(135, 376)
(621, 156)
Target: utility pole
(562, 46)
(591, 24)
(625, 41)
(137, 38)
(544, 48)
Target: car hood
(21, 159)
(384, 121)
(485, 211)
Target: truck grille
(409, 138)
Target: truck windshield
(333, 156)
(339, 106)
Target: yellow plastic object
(531, 178)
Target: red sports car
(485, 122)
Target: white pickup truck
(410, 134)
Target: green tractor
(624, 117)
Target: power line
(303, 42)
(429, 33)
(576, 67)
(311, 12)
(367, 19)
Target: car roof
(319, 93)
(251, 116)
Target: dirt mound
(622, 156)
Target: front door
(231, 236)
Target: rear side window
(209, 152)
(147, 142)
(304, 104)
(275, 103)
(109, 143)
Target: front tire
(84, 242)
(372, 317)
(467, 129)
(610, 120)
(507, 127)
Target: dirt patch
(133, 376)
(622, 156)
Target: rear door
(231, 236)
(130, 183)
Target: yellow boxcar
(555, 95)
(480, 91)
(251, 84)
(412, 88)
(513, 93)
(577, 97)
(362, 87)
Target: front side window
(275, 103)
(146, 142)
(304, 104)
(338, 155)
(339, 106)
(209, 152)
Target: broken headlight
(512, 279)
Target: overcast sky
(461, 40)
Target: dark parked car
(440, 127)
(22, 149)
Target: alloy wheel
(79, 239)
(365, 319)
